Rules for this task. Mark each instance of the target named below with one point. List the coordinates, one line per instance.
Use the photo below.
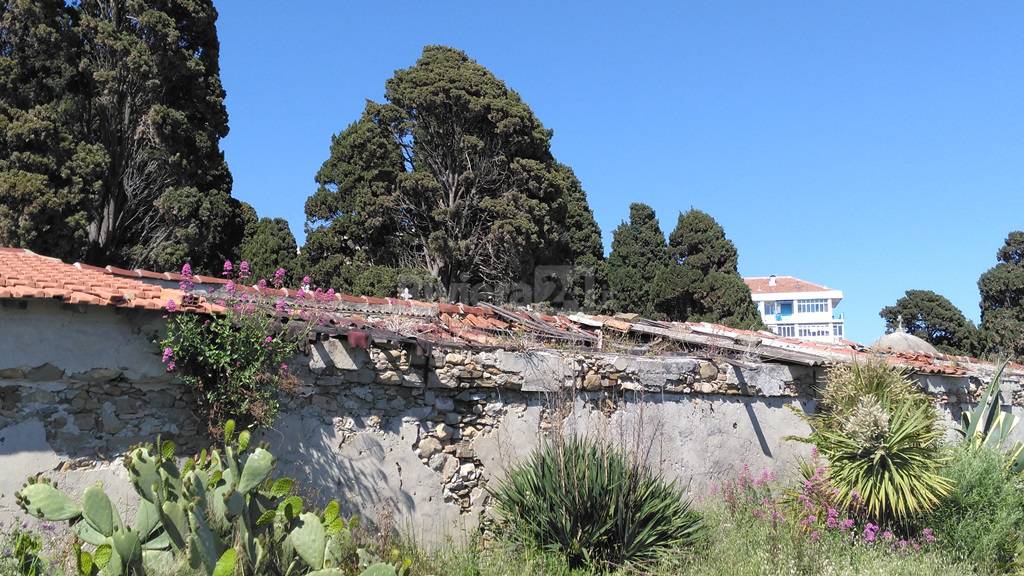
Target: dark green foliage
(982, 520)
(881, 437)
(1002, 300)
(595, 505)
(234, 364)
(638, 256)
(110, 118)
(701, 283)
(451, 175)
(933, 318)
(269, 245)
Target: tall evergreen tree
(638, 257)
(268, 245)
(934, 318)
(111, 112)
(1002, 300)
(702, 283)
(451, 175)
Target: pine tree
(451, 175)
(1002, 300)
(933, 318)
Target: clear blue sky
(869, 146)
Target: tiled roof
(760, 285)
(25, 274)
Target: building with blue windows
(796, 308)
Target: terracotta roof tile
(761, 285)
(25, 274)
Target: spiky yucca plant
(595, 505)
(881, 438)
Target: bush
(235, 362)
(594, 505)
(881, 438)
(982, 520)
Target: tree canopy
(451, 175)
(701, 282)
(638, 256)
(111, 113)
(1002, 300)
(269, 245)
(933, 318)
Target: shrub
(881, 438)
(594, 505)
(982, 520)
(235, 362)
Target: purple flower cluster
(187, 282)
(279, 277)
(168, 359)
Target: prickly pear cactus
(222, 509)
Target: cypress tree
(701, 282)
(638, 256)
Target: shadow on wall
(352, 467)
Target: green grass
(982, 521)
(734, 547)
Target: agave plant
(594, 505)
(988, 425)
(881, 438)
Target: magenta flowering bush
(236, 362)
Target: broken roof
(24, 274)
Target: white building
(796, 308)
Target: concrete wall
(392, 433)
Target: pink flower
(268, 340)
(171, 366)
(815, 536)
(230, 287)
(846, 524)
(282, 370)
(888, 535)
(243, 270)
(229, 269)
(928, 535)
(306, 281)
(262, 283)
(186, 284)
(870, 532)
(814, 451)
(279, 306)
(279, 277)
(171, 306)
(168, 355)
(809, 521)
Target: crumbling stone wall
(398, 434)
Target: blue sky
(870, 146)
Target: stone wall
(395, 433)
